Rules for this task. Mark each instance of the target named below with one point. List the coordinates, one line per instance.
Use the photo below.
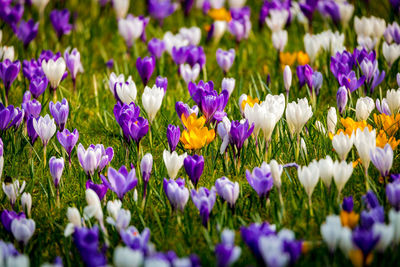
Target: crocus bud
(56, 169)
(382, 158)
(309, 177)
(60, 112)
(152, 100)
(26, 203)
(219, 27)
(228, 190)
(225, 59)
(121, 8)
(341, 173)
(228, 84)
(331, 120)
(173, 162)
(194, 166)
(73, 62)
(341, 99)
(176, 192)
(342, 143)
(145, 167)
(130, 29)
(287, 78)
(326, 170)
(365, 141)
(23, 229)
(93, 209)
(173, 135)
(156, 47)
(297, 115)
(145, 67)
(45, 128)
(60, 22)
(54, 71)
(188, 73)
(162, 83)
(113, 207)
(276, 172)
(364, 107)
(74, 216)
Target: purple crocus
(32, 68)
(32, 134)
(8, 73)
(11, 14)
(145, 67)
(197, 91)
(329, 8)
(134, 239)
(31, 108)
(145, 167)
(73, 62)
(173, 135)
(348, 204)
(56, 166)
(350, 81)
(139, 129)
(10, 116)
(305, 75)
(176, 192)
(251, 235)
(365, 240)
(393, 194)
(60, 111)
(374, 213)
(68, 140)
(239, 132)
(227, 190)
(185, 110)
(226, 252)
(341, 63)
(27, 31)
(195, 55)
(240, 27)
(156, 47)
(110, 64)
(392, 33)
(162, 83)
(87, 242)
(160, 9)
(317, 80)
(99, 189)
(225, 59)
(8, 216)
(308, 7)
(121, 181)
(60, 21)
(125, 115)
(261, 180)
(180, 54)
(38, 85)
(204, 200)
(194, 166)
(341, 99)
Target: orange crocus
(302, 58)
(220, 14)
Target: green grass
(91, 112)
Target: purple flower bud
(317, 81)
(31, 108)
(32, 134)
(204, 200)
(240, 27)
(56, 167)
(160, 9)
(145, 167)
(68, 140)
(225, 59)
(145, 67)
(194, 166)
(156, 47)
(60, 111)
(162, 83)
(9, 72)
(73, 62)
(120, 182)
(240, 132)
(10, 116)
(261, 180)
(176, 192)
(393, 194)
(60, 21)
(341, 99)
(86, 241)
(27, 31)
(110, 63)
(8, 216)
(348, 204)
(125, 115)
(228, 190)
(173, 135)
(138, 129)
(195, 54)
(38, 85)
(99, 189)
(305, 73)
(228, 84)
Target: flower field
(199, 133)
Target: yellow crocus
(349, 219)
(390, 124)
(302, 58)
(220, 14)
(382, 140)
(196, 138)
(192, 121)
(287, 58)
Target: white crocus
(346, 12)
(40, 5)
(390, 52)
(173, 162)
(75, 220)
(394, 219)
(130, 29)
(385, 233)
(127, 257)
(276, 172)
(277, 19)
(342, 143)
(152, 100)
(7, 52)
(220, 27)
(121, 8)
(330, 232)
(261, 118)
(23, 229)
(364, 107)
(45, 128)
(308, 176)
(297, 115)
(320, 127)
(346, 241)
(93, 209)
(13, 190)
(365, 141)
(228, 84)
(341, 174)
(312, 46)
(54, 71)
(279, 40)
(192, 34)
(287, 78)
(26, 203)
(126, 91)
(113, 207)
(188, 73)
(393, 100)
(326, 170)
